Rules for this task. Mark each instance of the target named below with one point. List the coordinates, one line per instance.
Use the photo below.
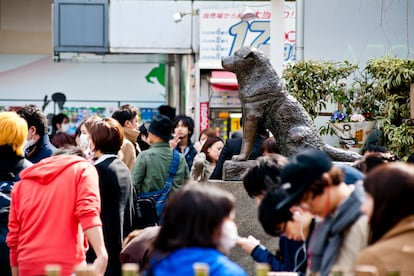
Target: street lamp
(178, 16)
(248, 14)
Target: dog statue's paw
(238, 158)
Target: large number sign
(222, 32)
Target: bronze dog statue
(264, 98)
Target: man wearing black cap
(311, 180)
(150, 171)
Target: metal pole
(300, 16)
(276, 33)
(168, 80)
(177, 83)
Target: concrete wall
(25, 26)
(247, 222)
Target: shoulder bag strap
(173, 169)
(171, 173)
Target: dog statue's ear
(251, 52)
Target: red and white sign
(204, 110)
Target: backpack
(6, 184)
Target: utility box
(80, 26)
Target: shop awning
(223, 81)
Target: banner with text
(222, 32)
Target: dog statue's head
(243, 58)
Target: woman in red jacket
(54, 208)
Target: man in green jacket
(150, 171)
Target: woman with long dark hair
(197, 227)
(205, 161)
(389, 204)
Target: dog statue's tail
(340, 154)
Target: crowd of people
(71, 200)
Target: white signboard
(222, 32)
(223, 99)
(148, 27)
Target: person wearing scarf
(313, 182)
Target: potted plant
(357, 113)
(352, 129)
(381, 91)
(390, 85)
(316, 83)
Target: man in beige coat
(127, 117)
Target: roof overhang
(223, 80)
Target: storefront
(225, 107)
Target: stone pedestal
(247, 222)
(233, 171)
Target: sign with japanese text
(225, 99)
(222, 32)
(204, 114)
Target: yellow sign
(235, 124)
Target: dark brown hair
(34, 117)
(125, 113)
(391, 186)
(208, 144)
(186, 121)
(269, 215)
(58, 119)
(192, 216)
(89, 122)
(269, 145)
(209, 132)
(372, 160)
(318, 186)
(107, 135)
(70, 150)
(61, 139)
(254, 180)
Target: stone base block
(247, 223)
(233, 171)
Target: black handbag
(150, 205)
(145, 212)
